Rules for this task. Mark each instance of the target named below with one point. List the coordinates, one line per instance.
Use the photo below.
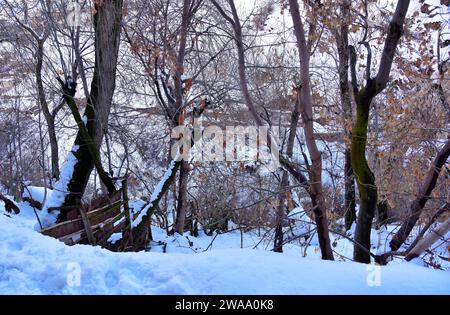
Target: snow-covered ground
(31, 263)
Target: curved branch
(424, 193)
(352, 54)
(393, 37)
(369, 59)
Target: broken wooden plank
(87, 226)
(99, 231)
(95, 217)
(64, 228)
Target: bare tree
(40, 38)
(314, 188)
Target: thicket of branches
(358, 90)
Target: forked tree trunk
(140, 226)
(106, 180)
(107, 28)
(182, 201)
(363, 97)
(49, 116)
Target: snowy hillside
(211, 147)
(31, 263)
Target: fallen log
(429, 240)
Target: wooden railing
(95, 226)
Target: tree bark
(178, 109)
(281, 213)
(92, 148)
(182, 197)
(365, 179)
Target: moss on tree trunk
(364, 176)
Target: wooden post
(87, 226)
(127, 235)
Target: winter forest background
(354, 94)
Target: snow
(185, 77)
(60, 190)
(156, 191)
(39, 194)
(31, 263)
(115, 237)
(118, 222)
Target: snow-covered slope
(35, 264)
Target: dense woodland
(91, 90)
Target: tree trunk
(341, 37)
(281, 213)
(50, 120)
(141, 225)
(363, 97)
(182, 197)
(306, 100)
(365, 178)
(106, 180)
(350, 202)
(178, 108)
(107, 26)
